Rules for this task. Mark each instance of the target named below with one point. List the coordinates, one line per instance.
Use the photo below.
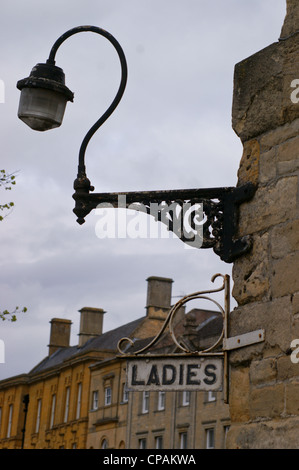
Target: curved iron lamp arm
(82, 182)
(219, 205)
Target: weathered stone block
(286, 369)
(288, 156)
(263, 371)
(239, 394)
(295, 332)
(292, 402)
(267, 169)
(262, 90)
(275, 317)
(251, 273)
(267, 402)
(270, 206)
(289, 166)
(257, 89)
(295, 303)
(292, 19)
(273, 434)
(284, 239)
(279, 135)
(288, 150)
(285, 279)
(249, 166)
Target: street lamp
(44, 96)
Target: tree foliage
(7, 181)
(12, 316)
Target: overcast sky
(171, 130)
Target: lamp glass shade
(41, 109)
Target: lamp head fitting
(43, 97)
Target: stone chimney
(158, 296)
(59, 334)
(91, 323)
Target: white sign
(169, 373)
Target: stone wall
(264, 382)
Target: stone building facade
(157, 419)
(57, 391)
(77, 395)
(264, 384)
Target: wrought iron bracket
(213, 226)
(219, 349)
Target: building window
(95, 400)
(125, 393)
(225, 431)
(210, 438)
(104, 444)
(186, 398)
(108, 396)
(159, 442)
(53, 406)
(161, 400)
(8, 434)
(183, 440)
(211, 396)
(79, 395)
(142, 443)
(39, 407)
(67, 405)
(145, 401)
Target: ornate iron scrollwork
(213, 226)
(180, 343)
(176, 343)
(128, 350)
